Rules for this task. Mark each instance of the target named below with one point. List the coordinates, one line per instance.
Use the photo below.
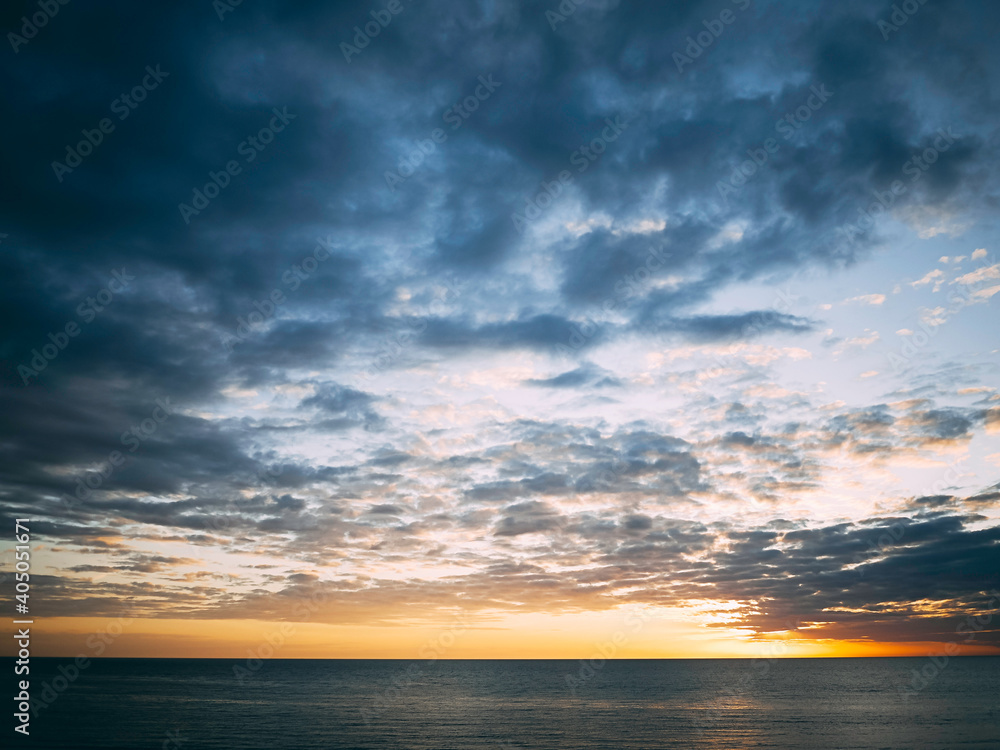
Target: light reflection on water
(335, 705)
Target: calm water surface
(732, 704)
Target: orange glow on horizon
(238, 639)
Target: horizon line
(636, 658)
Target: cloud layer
(507, 312)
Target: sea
(190, 704)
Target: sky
(503, 329)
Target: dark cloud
(345, 406)
(729, 327)
(584, 375)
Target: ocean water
(489, 705)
